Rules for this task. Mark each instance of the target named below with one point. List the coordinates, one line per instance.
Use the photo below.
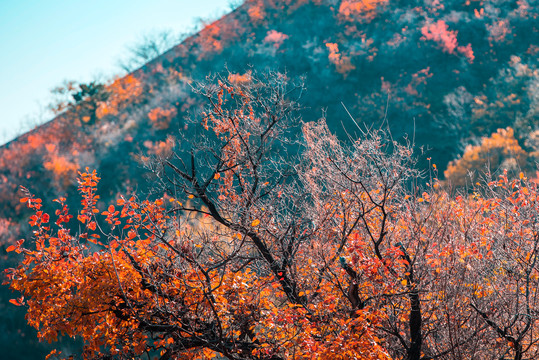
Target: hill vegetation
(457, 79)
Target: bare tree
(151, 46)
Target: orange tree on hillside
(265, 246)
(498, 152)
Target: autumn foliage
(252, 252)
(446, 73)
(498, 152)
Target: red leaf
(15, 302)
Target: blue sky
(44, 42)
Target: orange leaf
(255, 222)
(11, 248)
(15, 302)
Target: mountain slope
(441, 73)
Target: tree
(497, 152)
(266, 246)
(150, 47)
(82, 99)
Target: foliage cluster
(255, 251)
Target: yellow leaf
(255, 222)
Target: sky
(45, 42)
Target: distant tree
(497, 152)
(150, 47)
(82, 99)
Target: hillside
(445, 74)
